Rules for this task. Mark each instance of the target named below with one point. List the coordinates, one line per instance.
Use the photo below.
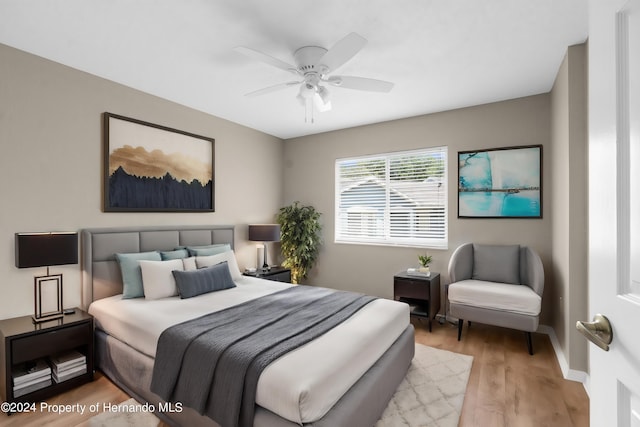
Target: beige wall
(569, 216)
(51, 165)
(309, 178)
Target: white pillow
(229, 256)
(157, 279)
(189, 263)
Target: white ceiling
(441, 54)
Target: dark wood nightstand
(419, 291)
(277, 274)
(23, 341)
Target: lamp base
(47, 318)
(265, 265)
(46, 288)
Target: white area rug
(431, 395)
(123, 419)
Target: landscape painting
(152, 168)
(500, 183)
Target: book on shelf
(22, 390)
(29, 372)
(32, 382)
(61, 370)
(418, 272)
(67, 360)
(67, 374)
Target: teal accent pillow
(132, 274)
(208, 250)
(177, 254)
(204, 280)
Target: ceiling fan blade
(360, 83)
(341, 52)
(267, 59)
(272, 88)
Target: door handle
(598, 332)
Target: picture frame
(501, 182)
(154, 168)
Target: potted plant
(425, 260)
(300, 238)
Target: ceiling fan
(313, 65)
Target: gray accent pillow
(496, 263)
(131, 272)
(204, 280)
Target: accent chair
(498, 285)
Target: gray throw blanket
(212, 363)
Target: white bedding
(300, 386)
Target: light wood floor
(507, 386)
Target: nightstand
(22, 341)
(277, 274)
(419, 291)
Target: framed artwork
(153, 168)
(500, 183)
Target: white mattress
(300, 386)
(519, 299)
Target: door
(614, 208)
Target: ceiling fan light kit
(313, 64)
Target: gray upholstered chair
(498, 285)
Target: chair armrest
(461, 263)
(534, 271)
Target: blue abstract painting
(500, 183)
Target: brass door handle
(598, 332)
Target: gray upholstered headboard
(101, 275)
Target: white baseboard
(568, 374)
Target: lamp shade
(264, 232)
(46, 249)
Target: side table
(22, 341)
(423, 292)
(277, 274)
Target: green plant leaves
(425, 260)
(300, 238)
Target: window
(393, 199)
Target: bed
(349, 392)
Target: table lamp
(264, 233)
(45, 250)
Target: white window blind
(393, 199)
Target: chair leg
(529, 343)
(460, 323)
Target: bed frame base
(361, 406)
